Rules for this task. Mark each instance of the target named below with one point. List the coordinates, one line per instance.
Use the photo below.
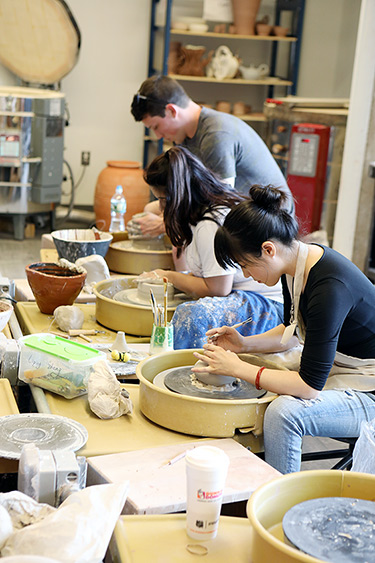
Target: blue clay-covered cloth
(193, 319)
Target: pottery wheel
(335, 529)
(179, 380)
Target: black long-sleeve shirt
(338, 309)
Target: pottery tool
(176, 458)
(123, 356)
(84, 337)
(237, 325)
(96, 233)
(165, 283)
(59, 334)
(154, 307)
(85, 331)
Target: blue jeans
(332, 414)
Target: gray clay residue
(334, 529)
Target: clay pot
(223, 106)
(220, 28)
(244, 16)
(264, 29)
(54, 285)
(192, 63)
(129, 175)
(174, 57)
(240, 108)
(280, 31)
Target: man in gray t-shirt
(223, 142)
(232, 149)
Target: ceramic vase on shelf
(244, 16)
(192, 63)
(127, 174)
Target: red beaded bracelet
(257, 378)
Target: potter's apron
(347, 372)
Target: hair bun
(268, 198)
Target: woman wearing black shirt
(328, 302)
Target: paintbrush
(153, 307)
(237, 325)
(165, 283)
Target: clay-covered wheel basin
(54, 285)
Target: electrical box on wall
(307, 168)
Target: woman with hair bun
(194, 202)
(329, 308)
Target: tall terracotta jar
(127, 174)
(244, 16)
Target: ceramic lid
(39, 39)
(62, 348)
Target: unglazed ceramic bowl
(198, 27)
(144, 288)
(264, 29)
(211, 378)
(280, 31)
(54, 285)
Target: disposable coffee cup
(206, 472)
(161, 339)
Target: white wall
(328, 46)
(99, 90)
(113, 63)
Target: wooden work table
(123, 434)
(8, 406)
(32, 321)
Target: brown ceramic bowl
(280, 31)
(54, 285)
(264, 29)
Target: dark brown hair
(154, 94)
(191, 191)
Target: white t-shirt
(201, 260)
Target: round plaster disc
(335, 529)
(46, 431)
(179, 380)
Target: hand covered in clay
(226, 337)
(155, 276)
(149, 224)
(219, 361)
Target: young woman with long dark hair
(194, 202)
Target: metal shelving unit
(296, 7)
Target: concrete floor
(15, 255)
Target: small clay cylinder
(223, 106)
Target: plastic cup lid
(207, 457)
